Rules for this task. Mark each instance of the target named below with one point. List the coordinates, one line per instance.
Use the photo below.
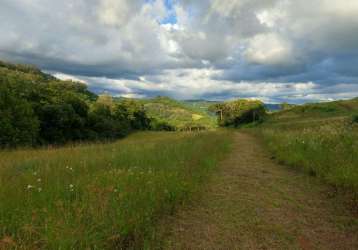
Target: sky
(275, 50)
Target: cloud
(269, 49)
(191, 49)
(202, 84)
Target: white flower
(39, 189)
(30, 186)
(39, 180)
(71, 186)
(69, 168)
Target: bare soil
(252, 202)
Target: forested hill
(36, 109)
(26, 69)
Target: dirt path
(254, 203)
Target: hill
(37, 109)
(321, 139)
(181, 115)
(317, 111)
(200, 105)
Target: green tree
(239, 112)
(18, 124)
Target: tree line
(239, 112)
(38, 109)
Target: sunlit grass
(327, 149)
(102, 195)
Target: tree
(136, 114)
(239, 112)
(18, 124)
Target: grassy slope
(178, 114)
(321, 138)
(200, 105)
(102, 195)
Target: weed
(102, 195)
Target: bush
(355, 118)
(156, 125)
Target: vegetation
(112, 195)
(36, 108)
(200, 106)
(286, 106)
(355, 118)
(321, 139)
(169, 114)
(314, 111)
(100, 196)
(236, 113)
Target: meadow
(102, 196)
(322, 142)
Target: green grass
(322, 139)
(178, 114)
(101, 196)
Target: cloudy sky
(275, 50)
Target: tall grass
(328, 149)
(101, 196)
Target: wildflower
(39, 180)
(30, 186)
(35, 173)
(69, 168)
(71, 186)
(115, 190)
(39, 189)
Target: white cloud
(66, 77)
(269, 49)
(253, 48)
(196, 84)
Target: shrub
(355, 118)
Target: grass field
(101, 196)
(322, 139)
